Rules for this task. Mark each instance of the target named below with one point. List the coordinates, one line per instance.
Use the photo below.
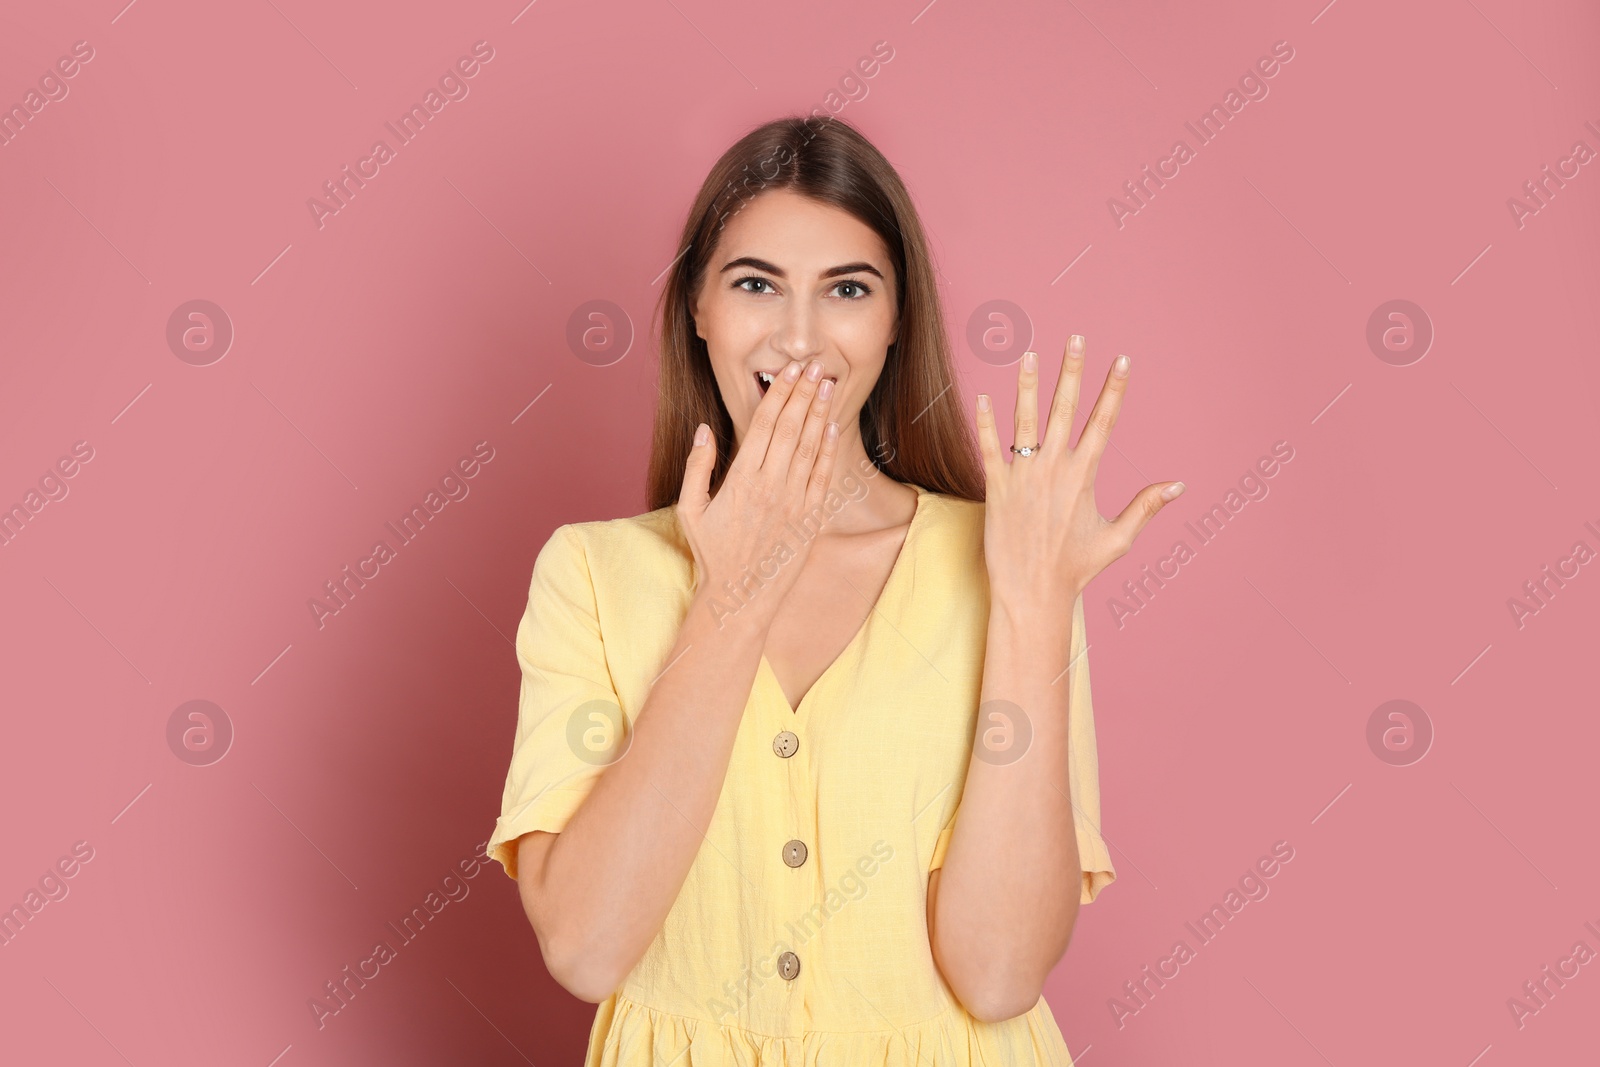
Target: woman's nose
(799, 335)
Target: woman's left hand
(1044, 539)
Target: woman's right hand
(777, 479)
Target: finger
(753, 451)
(1141, 509)
(1026, 426)
(791, 420)
(695, 493)
(989, 439)
(822, 473)
(1097, 431)
(1064, 408)
(806, 454)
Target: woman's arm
(1005, 916)
(598, 892)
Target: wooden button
(789, 966)
(794, 853)
(785, 744)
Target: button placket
(784, 745)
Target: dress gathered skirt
(626, 1034)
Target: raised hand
(778, 477)
(1044, 539)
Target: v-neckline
(889, 586)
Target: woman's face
(795, 279)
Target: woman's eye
(740, 284)
(863, 290)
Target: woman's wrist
(1030, 595)
(747, 619)
(1037, 611)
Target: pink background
(430, 312)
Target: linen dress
(799, 937)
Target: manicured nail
(832, 431)
(1030, 361)
(1172, 492)
(791, 372)
(1120, 367)
(1075, 343)
(983, 401)
(825, 390)
(814, 369)
(702, 433)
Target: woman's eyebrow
(761, 264)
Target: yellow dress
(770, 956)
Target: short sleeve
(1093, 856)
(941, 846)
(562, 657)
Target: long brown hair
(911, 425)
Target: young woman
(805, 765)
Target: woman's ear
(694, 314)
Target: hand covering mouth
(764, 380)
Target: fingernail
(825, 390)
(832, 431)
(791, 372)
(1172, 492)
(814, 369)
(1120, 367)
(1076, 344)
(983, 402)
(1030, 361)
(701, 434)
